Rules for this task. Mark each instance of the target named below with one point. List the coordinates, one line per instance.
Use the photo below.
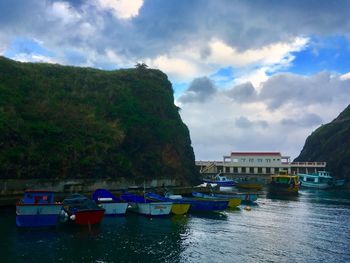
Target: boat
(249, 183)
(196, 204)
(110, 203)
(179, 208)
(145, 206)
(82, 210)
(320, 180)
(233, 202)
(220, 181)
(283, 183)
(37, 209)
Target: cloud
(279, 117)
(244, 123)
(199, 90)
(243, 93)
(123, 9)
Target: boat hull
(292, 189)
(316, 185)
(198, 205)
(180, 209)
(152, 209)
(220, 183)
(37, 215)
(249, 186)
(244, 197)
(234, 202)
(112, 209)
(88, 217)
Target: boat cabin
(220, 178)
(38, 197)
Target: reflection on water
(310, 227)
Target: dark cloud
(306, 120)
(161, 25)
(244, 123)
(243, 93)
(320, 88)
(199, 90)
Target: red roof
(256, 153)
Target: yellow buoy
(248, 208)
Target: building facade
(257, 163)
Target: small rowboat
(82, 210)
(37, 209)
(112, 204)
(145, 206)
(232, 201)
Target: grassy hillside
(68, 122)
(331, 143)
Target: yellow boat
(283, 183)
(180, 209)
(234, 202)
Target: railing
(306, 164)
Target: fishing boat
(176, 209)
(249, 183)
(110, 203)
(283, 183)
(142, 205)
(233, 202)
(220, 181)
(82, 210)
(320, 180)
(246, 198)
(196, 204)
(37, 209)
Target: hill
(330, 143)
(69, 122)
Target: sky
(248, 75)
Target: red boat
(82, 210)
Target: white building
(257, 163)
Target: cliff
(331, 143)
(69, 122)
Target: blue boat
(197, 204)
(145, 206)
(245, 197)
(37, 209)
(220, 181)
(113, 205)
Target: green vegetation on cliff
(68, 122)
(331, 143)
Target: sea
(311, 227)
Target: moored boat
(144, 206)
(320, 180)
(220, 181)
(113, 205)
(196, 204)
(37, 209)
(176, 209)
(232, 201)
(249, 183)
(283, 183)
(82, 210)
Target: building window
(259, 160)
(243, 160)
(259, 170)
(268, 170)
(235, 169)
(227, 169)
(251, 160)
(251, 170)
(235, 160)
(268, 160)
(243, 170)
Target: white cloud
(345, 76)
(123, 9)
(25, 57)
(221, 124)
(63, 12)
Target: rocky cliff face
(331, 143)
(68, 122)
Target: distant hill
(331, 143)
(69, 122)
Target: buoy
(248, 208)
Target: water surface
(312, 227)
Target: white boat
(111, 204)
(320, 180)
(145, 206)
